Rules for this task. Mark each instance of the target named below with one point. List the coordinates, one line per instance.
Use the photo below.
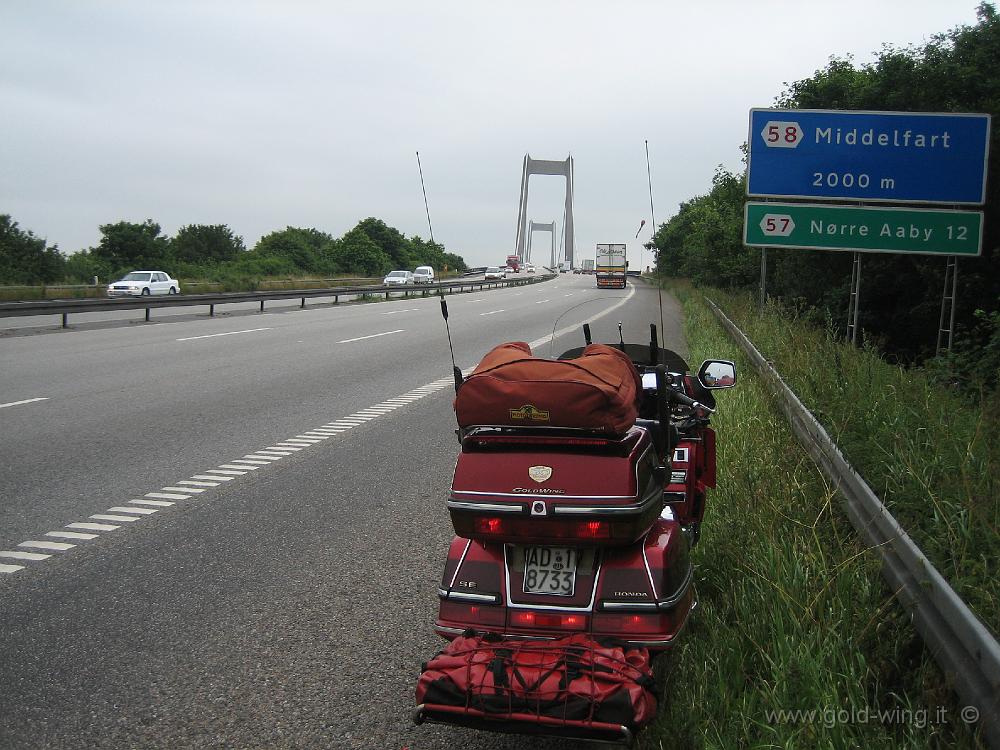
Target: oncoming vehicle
(423, 275)
(529, 268)
(398, 278)
(495, 272)
(143, 284)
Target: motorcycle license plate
(550, 570)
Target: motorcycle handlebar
(684, 400)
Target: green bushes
(796, 642)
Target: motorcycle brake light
(594, 530)
(527, 618)
(489, 526)
(537, 440)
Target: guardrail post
(147, 314)
(336, 298)
(303, 303)
(262, 305)
(211, 311)
(65, 320)
(387, 295)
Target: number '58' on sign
(777, 225)
(781, 134)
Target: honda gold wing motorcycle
(578, 493)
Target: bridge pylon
(546, 167)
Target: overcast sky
(262, 115)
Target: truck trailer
(611, 266)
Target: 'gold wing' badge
(540, 473)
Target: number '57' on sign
(777, 225)
(781, 134)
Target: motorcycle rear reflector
(529, 619)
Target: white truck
(588, 265)
(611, 266)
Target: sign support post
(948, 304)
(853, 304)
(763, 276)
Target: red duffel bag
(573, 683)
(599, 390)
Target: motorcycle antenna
(429, 227)
(454, 368)
(621, 338)
(652, 241)
(654, 345)
(586, 333)
(552, 338)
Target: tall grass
(793, 614)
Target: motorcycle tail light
(471, 614)
(654, 623)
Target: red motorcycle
(578, 493)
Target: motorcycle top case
(597, 391)
(527, 488)
(572, 685)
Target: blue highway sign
(904, 157)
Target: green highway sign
(808, 226)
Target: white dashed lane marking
(56, 546)
(92, 526)
(25, 401)
(140, 511)
(186, 489)
(24, 555)
(230, 333)
(373, 336)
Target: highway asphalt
(286, 602)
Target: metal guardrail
(965, 650)
(66, 307)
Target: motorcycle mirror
(586, 333)
(717, 373)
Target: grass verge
(797, 643)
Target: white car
(529, 268)
(398, 278)
(495, 272)
(423, 275)
(143, 284)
